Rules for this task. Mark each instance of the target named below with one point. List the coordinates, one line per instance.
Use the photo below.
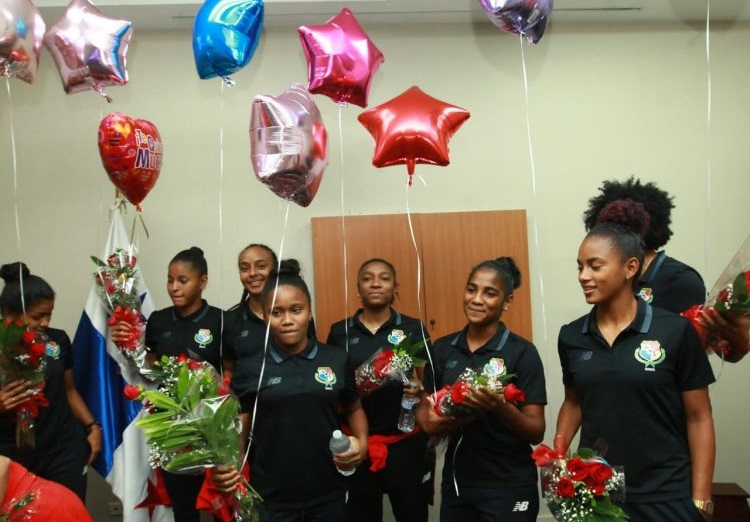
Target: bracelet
(91, 425)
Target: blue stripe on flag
(98, 380)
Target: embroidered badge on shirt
(650, 353)
(203, 337)
(396, 336)
(646, 294)
(325, 375)
(52, 349)
(495, 368)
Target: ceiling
(179, 14)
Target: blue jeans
(507, 504)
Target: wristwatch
(707, 506)
(91, 425)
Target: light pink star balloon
(21, 33)
(89, 48)
(412, 128)
(341, 59)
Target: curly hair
(658, 204)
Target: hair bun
(510, 265)
(289, 267)
(12, 272)
(627, 213)
(196, 250)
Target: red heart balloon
(131, 152)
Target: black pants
(667, 511)
(334, 511)
(183, 492)
(516, 504)
(407, 479)
(67, 467)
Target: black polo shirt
(56, 428)
(244, 334)
(631, 396)
(485, 453)
(382, 406)
(298, 410)
(671, 285)
(197, 335)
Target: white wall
(604, 102)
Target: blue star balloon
(225, 36)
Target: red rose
(194, 365)
(224, 386)
(600, 473)
(577, 468)
(132, 392)
(28, 337)
(459, 392)
(113, 261)
(513, 394)
(36, 350)
(596, 489)
(440, 396)
(182, 358)
(565, 488)
(381, 363)
(131, 261)
(6, 322)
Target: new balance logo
(521, 506)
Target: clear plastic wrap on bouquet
(450, 399)
(193, 423)
(581, 487)
(389, 364)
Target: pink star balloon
(289, 144)
(412, 128)
(341, 59)
(89, 48)
(21, 33)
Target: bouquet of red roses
(450, 399)
(581, 488)
(116, 282)
(193, 424)
(22, 359)
(730, 298)
(389, 364)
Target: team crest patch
(396, 336)
(646, 294)
(495, 368)
(52, 349)
(650, 353)
(325, 375)
(203, 337)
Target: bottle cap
(337, 434)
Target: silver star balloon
(21, 33)
(289, 144)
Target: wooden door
(452, 244)
(385, 236)
(449, 244)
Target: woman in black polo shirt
(403, 469)
(664, 281)
(244, 329)
(189, 327)
(67, 437)
(636, 383)
(489, 474)
(305, 387)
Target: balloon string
(251, 431)
(221, 211)
(343, 231)
(15, 189)
(534, 213)
(419, 287)
(708, 132)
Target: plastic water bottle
(408, 416)
(339, 444)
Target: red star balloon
(412, 128)
(341, 59)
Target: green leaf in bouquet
(167, 430)
(162, 401)
(190, 459)
(176, 443)
(98, 262)
(586, 453)
(155, 419)
(183, 381)
(414, 349)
